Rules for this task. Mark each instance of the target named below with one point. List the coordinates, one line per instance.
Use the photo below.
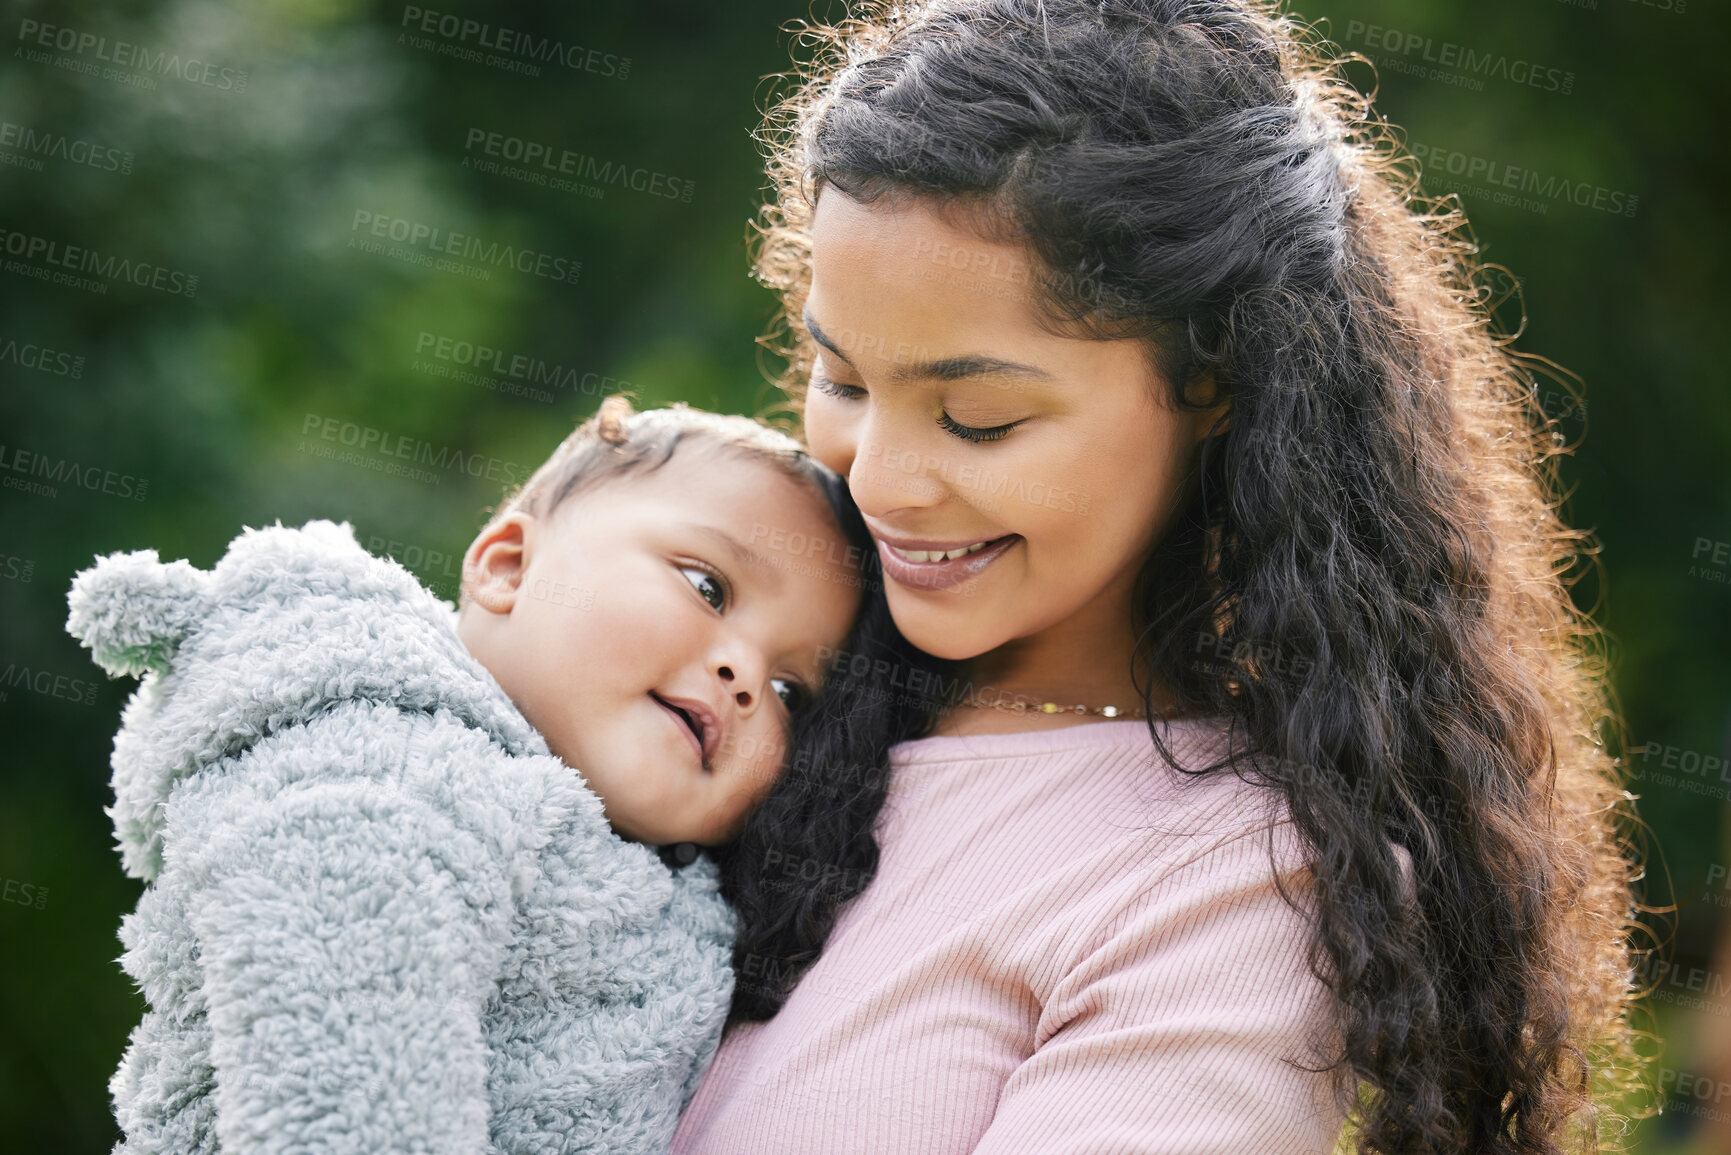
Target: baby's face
(651, 634)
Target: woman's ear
(1218, 418)
(494, 565)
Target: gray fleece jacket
(380, 916)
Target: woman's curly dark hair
(1371, 560)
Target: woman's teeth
(938, 554)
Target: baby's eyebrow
(752, 560)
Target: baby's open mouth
(693, 722)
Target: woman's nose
(886, 477)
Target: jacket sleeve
(1171, 1035)
(350, 934)
(706, 1051)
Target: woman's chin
(949, 636)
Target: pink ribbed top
(1068, 948)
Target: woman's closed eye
(711, 587)
(974, 433)
(824, 383)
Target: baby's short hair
(619, 441)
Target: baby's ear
(132, 611)
(494, 564)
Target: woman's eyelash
(821, 382)
(969, 433)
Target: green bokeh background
(206, 398)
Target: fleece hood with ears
(288, 623)
(380, 915)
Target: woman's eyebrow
(822, 338)
(942, 369)
(957, 368)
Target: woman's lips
(945, 573)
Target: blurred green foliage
(216, 400)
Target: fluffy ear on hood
(131, 610)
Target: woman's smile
(936, 565)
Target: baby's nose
(743, 697)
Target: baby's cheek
(630, 630)
(570, 735)
(754, 762)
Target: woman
(1161, 402)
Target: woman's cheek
(823, 433)
(1040, 498)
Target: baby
(424, 882)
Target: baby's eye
(792, 694)
(706, 585)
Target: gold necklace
(1016, 704)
